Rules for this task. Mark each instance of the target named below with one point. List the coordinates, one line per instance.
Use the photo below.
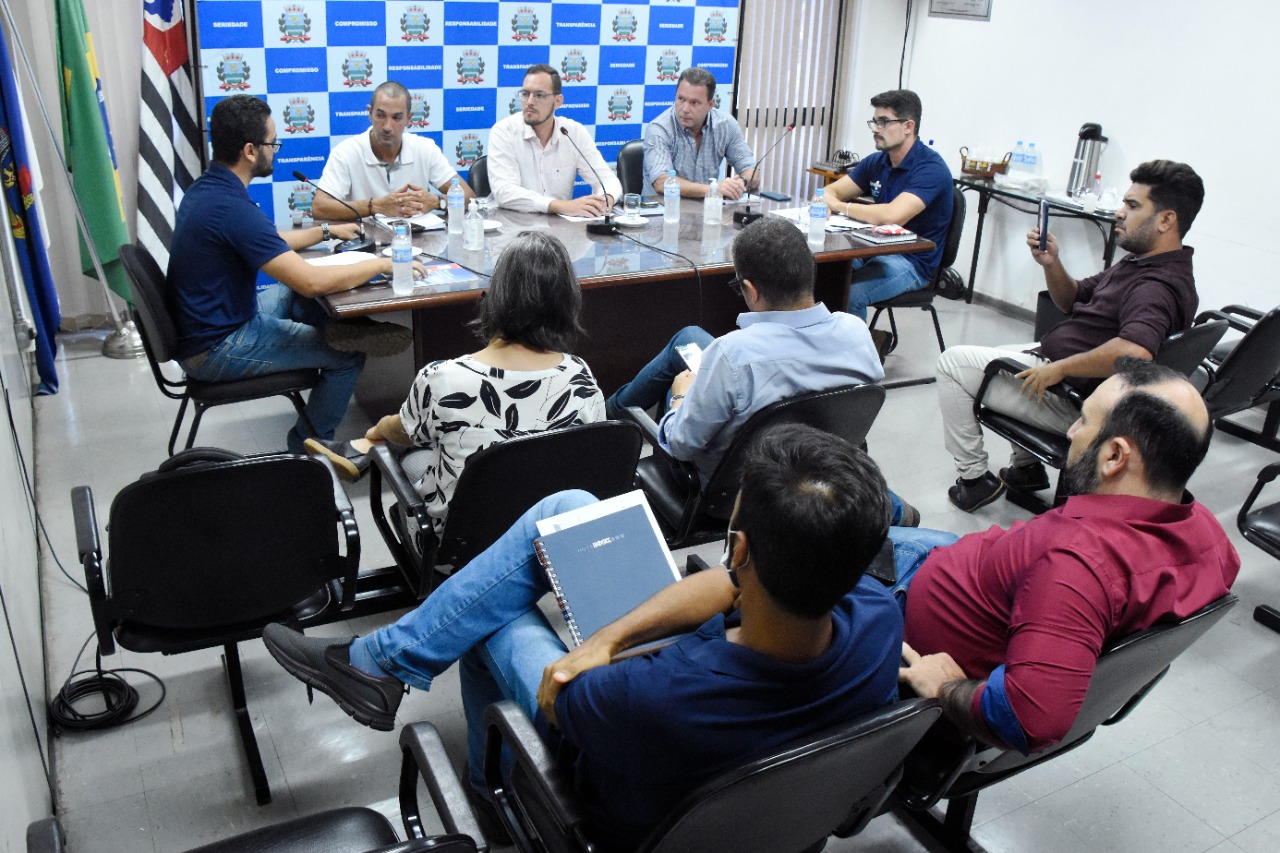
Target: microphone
(747, 215)
(606, 227)
(357, 244)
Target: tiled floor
(1196, 768)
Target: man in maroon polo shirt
(1005, 626)
(1127, 310)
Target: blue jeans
(652, 385)
(880, 278)
(287, 333)
(911, 545)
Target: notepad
(603, 560)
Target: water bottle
(1097, 185)
(457, 205)
(401, 262)
(712, 205)
(1032, 161)
(671, 198)
(818, 219)
(1019, 158)
(473, 229)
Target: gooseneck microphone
(360, 243)
(606, 227)
(746, 216)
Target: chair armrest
(506, 724)
(1008, 365)
(46, 836)
(1265, 476)
(648, 426)
(86, 521)
(1241, 322)
(90, 549)
(649, 429)
(394, 477)
(351, 533)
(424, 757)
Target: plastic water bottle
(1019, 158)
(1032, 161)
(473, 229)
(457, 205)
(713, 204)
(401, 262)
(818, 219)
(671, 198)
(1097, 185)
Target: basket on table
(985, 169)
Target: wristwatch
(324, 231)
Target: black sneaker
(1025, 478)
(325, 665)
(883, 342)
(968, 495)
(347, 461)
(368, 336)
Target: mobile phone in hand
(1044, 225)
(692, 355)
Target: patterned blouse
(460, 406)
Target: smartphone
(692, 355)
(773, 196)
(650, 205)
(1043, 219)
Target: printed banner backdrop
(317, 63)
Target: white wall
(1167, 79)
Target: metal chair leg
(252, 755)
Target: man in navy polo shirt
(910, 185)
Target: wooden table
(634, 297)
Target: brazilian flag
(86, 137)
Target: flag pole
(124, 342)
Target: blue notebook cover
(604, 567)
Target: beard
(1139, 242)
(262, 170)
(1081, 476)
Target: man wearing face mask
(1005, 627)
(789, 638)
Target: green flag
(86, 136)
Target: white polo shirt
(355, 172)
(525, 176)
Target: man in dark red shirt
(1127, 310)
(1005, 627)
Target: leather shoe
(883, 342)
(968, 495)
(325, 664)
(347, 461)
(1025, 478)
(910, 515)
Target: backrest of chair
(502, 481)
(1248, 371)
(631, 166)
(159, 334)
(847, 412)
(478, 177)
(222, 543)
(1184, 351)
(799, 794)
(1125, 669)
(952, 247)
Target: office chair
(211, 548)
(1244, 373)
(1182, 351)
(952, 767)
(498, 485)
(631, 167)
(690, 512)
(160, 339)
(923, 298)
(832, 782)
(478, 177)
(1261, 526)
(349, 829)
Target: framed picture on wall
(966, 10)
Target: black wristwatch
(324, 231)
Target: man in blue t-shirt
(221, 239)
(910, 185)
(790, 638)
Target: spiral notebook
(603, 560)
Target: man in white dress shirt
(532, 165)
(386, 170)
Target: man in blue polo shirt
(910, 185)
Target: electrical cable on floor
(119, 696)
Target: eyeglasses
(539, 97)
(735, 284)
(274, 146)
(882, 122)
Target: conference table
(638, 289)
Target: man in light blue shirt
(786, 344)
(694, 139)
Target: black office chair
(951, 767)
(211, 548)
(631, 166)
(833, 782)
(160, 339)
(923, 298)
(690, 512)
(1245, 373)
(1182, 351)
(349, 829)
(478, 177)
(497, 486)
(1261, 526)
